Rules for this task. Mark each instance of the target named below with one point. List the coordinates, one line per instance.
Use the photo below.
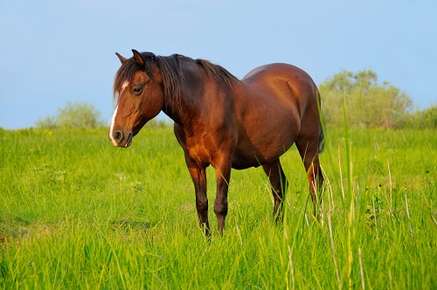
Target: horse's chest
(200, 149)
(199, 153)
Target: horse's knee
(202, 205)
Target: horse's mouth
(125, 142)
(128, 140)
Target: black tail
(322, 135)
(321, 139)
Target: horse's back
(284, 79)
(276, 69)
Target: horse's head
(138, 95)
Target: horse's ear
(120, 57)
(138, 57)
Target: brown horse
(222, 121)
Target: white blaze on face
(117, 94)
(124, 86)
(111, 131)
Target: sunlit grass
(77, 213)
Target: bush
(47, 123)
(369, 103)
(158, 123)
(73, 115)
(422, 119)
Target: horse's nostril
(117, 135)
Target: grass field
(77, 213)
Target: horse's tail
(321, 135)
(321, 139)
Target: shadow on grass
(129, 225)
(13, 227)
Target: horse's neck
(183, 109)
(172, 112)
(178, 108)
(199, 92)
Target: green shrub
(158, 123)
(422, 119)
(47, 123)
(73, 115)
(370, 104)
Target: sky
(56, 52)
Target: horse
(222, 121)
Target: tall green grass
(77, 213)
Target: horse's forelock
(124, 73)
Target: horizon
(51, 58)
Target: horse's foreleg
(198, 175)
(222, 166)
(279, 185)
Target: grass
(77, 213)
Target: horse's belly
(243, 162)
(253, 155)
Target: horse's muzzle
(121, 139)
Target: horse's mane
(172, 73)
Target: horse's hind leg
(279, 185)
(309, 152)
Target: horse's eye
(137, 90)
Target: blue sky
(54, 52)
